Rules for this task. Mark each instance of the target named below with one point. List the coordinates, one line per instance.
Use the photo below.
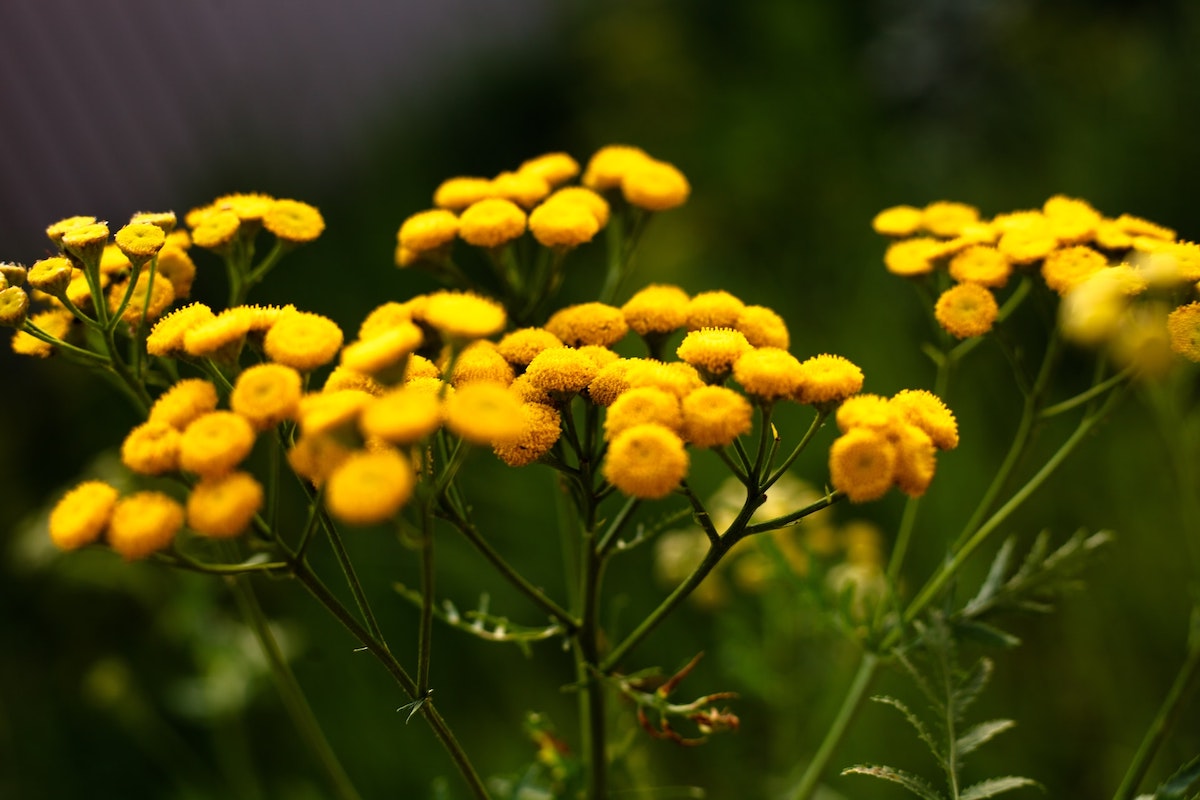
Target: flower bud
(14, 307)
(51, 275)
(13, 273)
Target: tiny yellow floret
(768, 373)
(541, 428)
(484, 413)
(462, 315)
(927, 411)
(428, 230)
(713, 350)
(897, 221)
(655, 186)
(657, 309)
(1183, 327)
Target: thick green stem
(356, 589)
(425, 635)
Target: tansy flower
(401, 416)
(927, 411)
(342, 377)
(1183, 327)
(862, 463)
(526, 189)
(484, 413)
(251, 206)
(520, 346)
(266, 394)
(161, 293)
(713, 416)
(420, 367)
(491, 222)
(580, 195)
(528, 392)
(641, 405)
(303, 340)
(480, 361)
(82, 514)
(912, 257)
(588, 323)
(828, 379)
(897, 221)
(965, 310)
(56, 231)
(540, 429)
(947, 219)
(384, 318)
(143, 523)
(113, 261)
(869, 411)
(160, 219)
(462, 315)
(86, 242)
(915, 459)
(185, 401)
(1136, 226)
(428, 230)
(1030, 240)
(716, 309)
(293, 221)
(676, 377)
(215, 443)
(610, 382)
(654, 185)
(315, 457)
(599, 355)
(224, 506)
(657, 309)
(1073, 221)
(50, 275)
(1066, 268)
(384, 350)
(167, 335)
(982, 264)
(79, 291)
(1093, 310)
(762, 327)
(326, 411)
(369, 487)
(222, 334)
(139, 241)
(768, 373)
(646, 461)
(554, 168)
(562, 224)
(561, 370)
(151, 448)
(56, 323)
(713, 350)
(177, 266)
(215, 229)
(14, 307)
(456, 194)
(610, 164)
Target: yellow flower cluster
(217, 225)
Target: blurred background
(796, 121)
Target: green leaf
(1183, 781)
(913, 783)
(995, 577)
(981, 734)
(985, 634)
(913, 720)
(972, 685)
(995, 786)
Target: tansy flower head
(1073, 221)
(528, 392)
(646, 461)
(947, 219)
(927, 411)
(152, 448)
(561, 371)
(401, 416)
(588, 323)
(315, 457)
(382, 351)
(177, 266)
(56, 231)
(600, 356)
(562, 224)
(383, 318)
(456, 194)
(462, 315)
(526, 189)
(912, 257)
(828, 379)
(762, 327)
(965, 310)
(480, 361)
(15, 274)
(325, 412)
(14, 307)
(266, 394)
(484, 413)
(167, 335)
(610, 164)
(220, 336)
(610, 382)
(184, 402)
(164, 220)
(768, 373)
(420, 367)
(428, 230)
(915, 459)
(342, 377)
(897, 221)
(641, 405)
(713, 416)
(491, 223)
(161, 295)
(215, 230)
(1183, 327)
(716, 309)
(86, 242)
(223, 506)
(139, 241)
(554, 168)
(982, 264)
(143, 523)
(251, 207)
(868, 411)
(540, 429)
(520, 346)
(582, 196)
(215, 443)
(862, 463)
(1066, 268)
(713, 350)
(675, 377)
(56, 322)
(293, 221)
(1028, 238)
(1136, 226)
(657, 309)
(82, 514)
(1093, 310)
(303, 340)
(369, 487)
(654, 185)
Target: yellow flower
(1136, 226)
(484, 413)
(1093, 310)
(82, 514)
(14, 307)
(303, 340)
(965, 310)
(293, 221)
(1066, 268)
(541, 428)
(185, 401)
(554, 168)
(1030, 238)
(456, 194)
(210, 336)
(325, 412)
(384, 350)
(610, 164)
(713, 416)
(342, 377)
(868, 411)
(177, 266)
(646, 461)
(151, 448)
(898, 221)
(641, 405)
(982, 264)
(491, 222)
(462, 315)
(56, 231)
(526, 189)
(167, 335)
(582, 196)
(401, 416)
(562, 224)
(56, 322)
(768, 373)
(139, 241)
(654, 186)
(610, 382)
(251, 206)
(1073, 221)
(266, 394)
(561, 371)
(912, 257)
(315, 457)
(915, 459)
(420, 367)
(657, 309)
(713, 350)
(383, 318)
(369, 487)
(79, 291)
(161, 292)
(927, 411)
(215, 443)
(480, 361)
(588, 323)
(1183, 327)
(600, 356)
(50, 275)
(676, 377)
(828, 379)
(428, 230)
(522, 345)
(947, 219)
(142, 523)
(762, 327)
(717, 309)
(161, 219)
(1142, 343)
(215, 229)
(862, 463)
(86, 242)
(223, 506)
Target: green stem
(356, 589)
(425, 635)
(817, 422)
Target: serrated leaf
(995, 786)
(1180, 783)
(1036, 557)
(913, 720)
(981, 734)
(914, 783)
(970, 688)
(985, 634)
(995, 577)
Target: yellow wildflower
(369, 486)
(915, 459)
(716, 309)
(768, 373)
(657, 309)
(383, 318)
(215, 229)
(762, 327)
(86, 242)
(266, 394)
(528, 392)
(342, 377)
(520, 346)
(143, 523)
(303, 340)
(610, 382)
(293, 221)
(912, 257)
(384, 350)
(654, 185)
(14, 307)
(484, 413)
(315, 457)
(152, 448)
(561, 371)
(480, 361)
(401, 416)
(713, 350)
(541, 428)
(1031, 237)
(609, 165)
(82, 515)
(965, 310)
(456, 194)
(868, 411)
(1073, 221)
(50, 275)
(224, 506)
(713, 416)
(251, 206)
(927, 411)
(947, 219)
(641, 405)
(161, 293)
(588, 323)
(897, 221)
(140, 241)
(1142, 343)
(462, 315)
(325, 412)
(1183, 327)
(167, 336)
(1066, 268)
(56, 231)
(420, 367)
(221, 334)
(56, 322)
(215, 443)
(982, 264)
(526, 189)
(675, 377)
(562, 224)
(828, 379)
(161, 219)
(600, 356)
(177, 266)
(862, 463)
(582, 196)
(554, 168)
(185, 401)
(1093, 310)
(1136, 226)
(491, 223)
(646, 461)
(428, 230)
